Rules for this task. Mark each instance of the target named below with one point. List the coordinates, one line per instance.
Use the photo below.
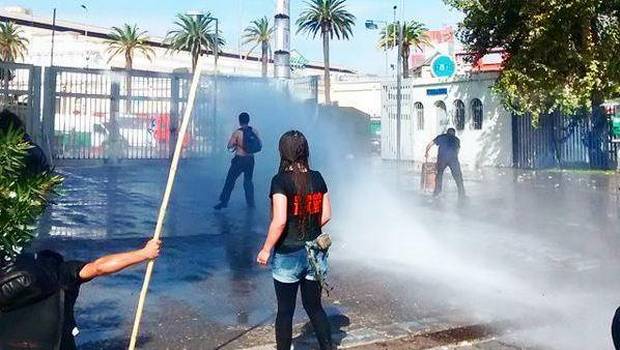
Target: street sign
(615, 125)
(436, 92)
(443, 66)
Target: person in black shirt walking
(447, 157)
(244, 142)
(300, 208)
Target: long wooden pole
(164, 205)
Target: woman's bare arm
(276, 228)
(327, 210)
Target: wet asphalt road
(207, 292)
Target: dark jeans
(311, 300)
(615, 329)
(455, 169)
(239, 165)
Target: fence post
(174, 114)
(49, 112)
(34, 103)
(114, 146)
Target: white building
(432, 105)
(84, 46)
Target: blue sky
(157, 16)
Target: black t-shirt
(311, 203)
(449, 146)
(65, 276)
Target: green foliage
(23, 195)
(326, 18)
(414, 36)
(559, 55)
(194, 34)
(259, 33)
(13, 44)
(126, 40)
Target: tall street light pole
(53, 35)
(216, 52)
(372, 25)
(399, 87)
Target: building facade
(432, 105)
(82, 45)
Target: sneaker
(220, 206)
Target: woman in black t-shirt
(300, 208)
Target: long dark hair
(294, 155)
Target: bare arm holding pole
(164, 205)
(114, 263)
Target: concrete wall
(363, 95)
(491, 146)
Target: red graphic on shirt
(313, 204)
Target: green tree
(559, 55)
(330, 19)
(126, 41)
(23, 195)
(260, 33)
(414, 36)
(13, 44)
(194, 34)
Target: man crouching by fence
(38, 291)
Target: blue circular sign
(443, 67)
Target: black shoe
(220, 206)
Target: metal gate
(101, 114)
(562, 141)
(20, 93)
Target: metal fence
(388, 121)
(561, 141)
(100, 114)
(20, 93)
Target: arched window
(477, 113)
(419, 113)
(459, 115)
(442, 115)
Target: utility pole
(53, 34)
(216, 52)
(399, 83)
(282, 55)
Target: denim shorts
(292, 267)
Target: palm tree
(13, 45)
(126, 41)
(194, 34)
(329, 19)
(414, 35)
(259, 33)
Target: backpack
(30, 296)
(24, 282)
(251, 142)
